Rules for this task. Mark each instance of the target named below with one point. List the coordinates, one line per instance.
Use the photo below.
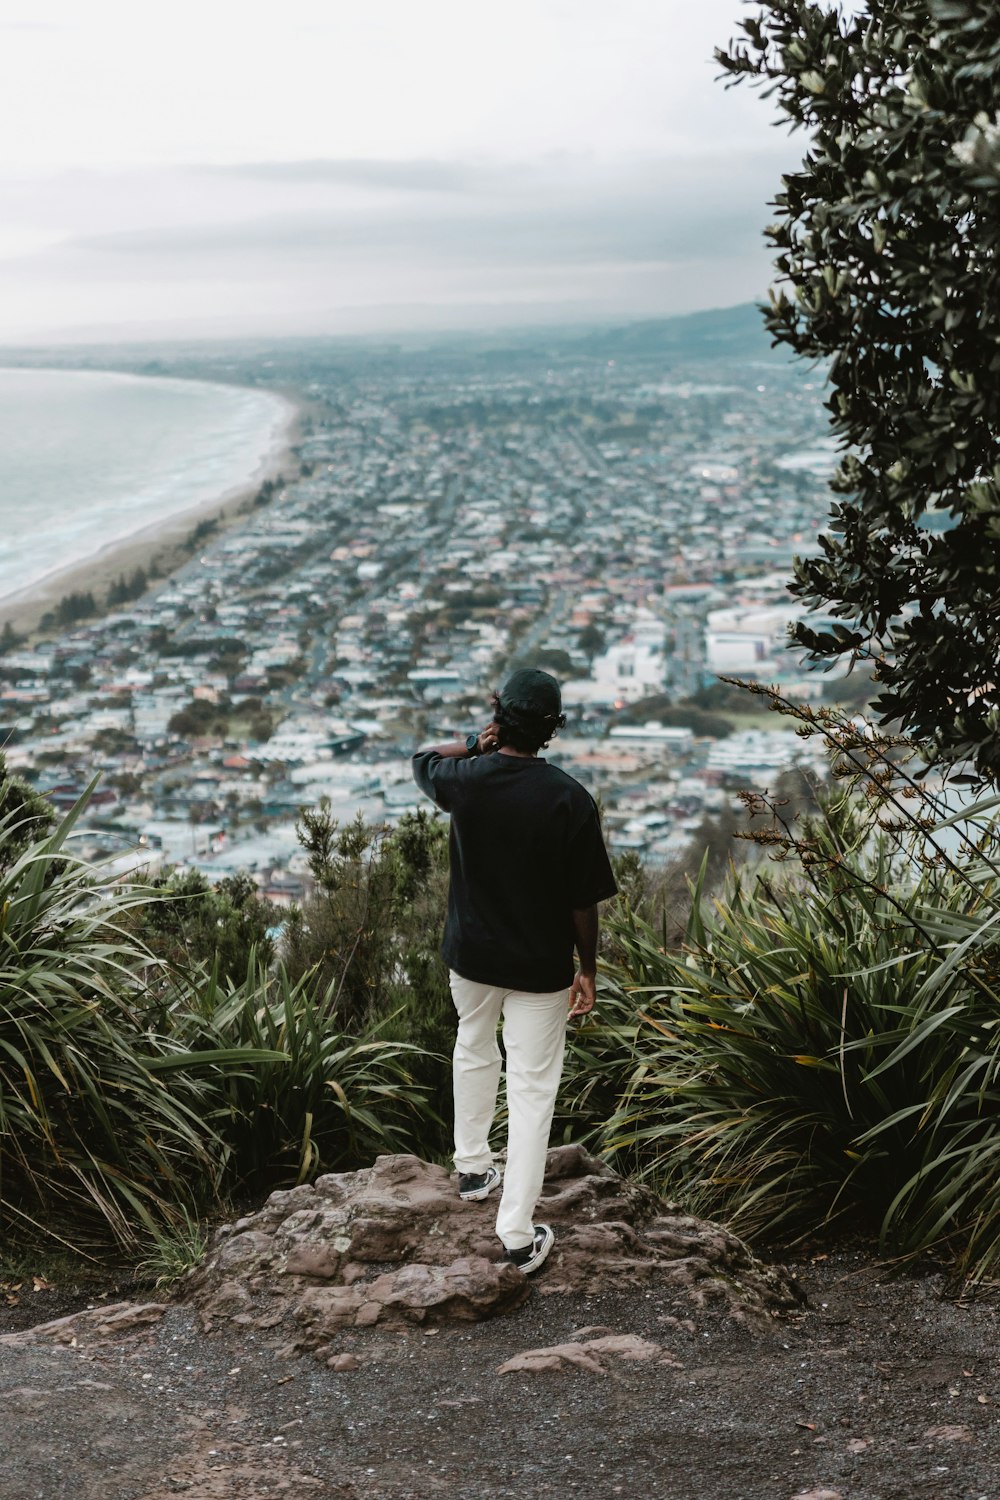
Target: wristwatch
(472, 744)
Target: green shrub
(598, 1070)
(369, 937)
(826, 1044)
(313, 1096)
(91, 1141)
(188, 922)
(27, 816)
(133, 1094)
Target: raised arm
(452, 749)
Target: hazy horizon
(374, 172)
(511, 334)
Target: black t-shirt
(526, 851)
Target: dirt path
(880, 1390)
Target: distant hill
(718, 333)
(734, 334)
(731, 332)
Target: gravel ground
(881, 1390)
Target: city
(628, 522)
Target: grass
(178, 1248)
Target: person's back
(528, 867)
(526, 851)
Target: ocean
(88, 459)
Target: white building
(435, 684)
(635, 666)
(749, 641)
(678, 739)
(764, 752)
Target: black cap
(533, 692)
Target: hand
(582, 994)
(489, 739)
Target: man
(528, 867)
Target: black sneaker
(472, 1186)
(533, 1255)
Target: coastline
(159, 544)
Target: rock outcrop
(592, 1350)
(393, 1246)
(93, 1324)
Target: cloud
(565, 212)
(407, 176)
(335, 243)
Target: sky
(221, 169)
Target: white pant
(534, 1038)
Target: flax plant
(91, 1142)
(134, 1095)
(825, 1045)
(318, 1096)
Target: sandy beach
(158, 547)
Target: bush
(188, 922)
(598, 1072)
(132, 1096)
(26, 815)
(91, 1142)
(370, 934)
(371, 928)
(316, 1098)
(825, 1046)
